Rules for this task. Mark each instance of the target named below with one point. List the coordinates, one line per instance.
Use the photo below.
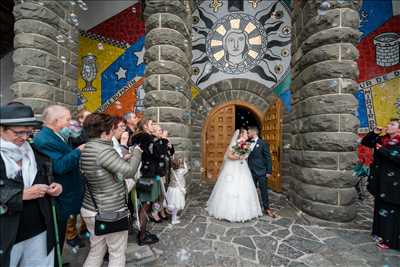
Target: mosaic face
(235, 44)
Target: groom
(260, 166)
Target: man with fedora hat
(27, 232)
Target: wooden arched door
(272, 133)
(217, 133)
(219, 129)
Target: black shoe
(76, 242)
(147, 240)
(152, 236)
(106, 257)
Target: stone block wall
(46, 53)
(168, 69)
(320, 134)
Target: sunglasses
(21, 133)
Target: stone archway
(246, 91)
(216, 135)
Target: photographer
(384, 184)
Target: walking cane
(54, 213)
(58, 248)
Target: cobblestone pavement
(289, 240)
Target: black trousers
(262, 183)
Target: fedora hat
(18, 115)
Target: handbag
(10, 195)
(144, 184)
(107, 222)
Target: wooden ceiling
(6, 26)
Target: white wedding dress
(234, 197)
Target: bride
(234, 197)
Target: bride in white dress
(234, 197)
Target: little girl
(176, 191)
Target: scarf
(11, 154)
(117, 146)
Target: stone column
(46, 53)
(323, 122)
(168, 69)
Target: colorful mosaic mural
(379, 80)
(112, 68)
(379, 64)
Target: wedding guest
(119, 141)
(162, 149)
(65, 162)
(75, 136)
(131, 124)
(120, 136)
(26, 224)
(82, 115)
(105, 172)
(384, 184)
(150, 159)
(170, 154)
(177, 188)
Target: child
(176, 191)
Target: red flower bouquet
(241, 148)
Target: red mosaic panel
(125, 26)
(366, 62)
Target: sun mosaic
(253, 43)
(236, 43)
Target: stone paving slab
(290, 240)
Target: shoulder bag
(107, 222)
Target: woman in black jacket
(165, 149)
(27, 233)
(148, 170)
(384, 184)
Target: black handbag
(10, 195)
(144, 184)
(107, 222)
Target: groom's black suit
(260, 165)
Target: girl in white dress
(234, 197)
(177, 188)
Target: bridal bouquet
(241, 148)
